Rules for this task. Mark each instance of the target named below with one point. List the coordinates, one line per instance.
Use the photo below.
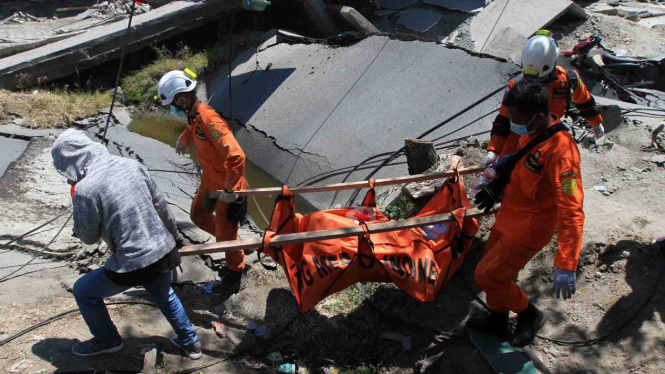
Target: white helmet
(175, 82)
(539, 56)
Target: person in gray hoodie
(115, 199)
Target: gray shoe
(193, 351)
(95, 347)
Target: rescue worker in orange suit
(222, 164)
(544, 194)
(539, 62)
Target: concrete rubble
(367, 105)
(645, 14)
(105, 42)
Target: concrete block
(502, 28)
(396, 4)
(354, 19)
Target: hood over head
(73, 152)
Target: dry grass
(141, 87)
(47, 110)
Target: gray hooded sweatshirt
(116, 200)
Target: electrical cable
(117, 78)
(354, 195)
(40, 252)
(33, 230)
(62, 315)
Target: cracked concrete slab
(502, 28)
(396, 4)
(320, 109)
(420, 20)
(10, 150)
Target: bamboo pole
(353, 185)
(312, 236)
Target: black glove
(236, 212)
(489, 196)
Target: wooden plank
(313, 236)
(354, 185)
(149, 361)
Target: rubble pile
(22, 17)
(111, 9)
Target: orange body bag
(419, 260)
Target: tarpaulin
(419, 260)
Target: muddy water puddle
(167, 129)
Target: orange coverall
(223, 167)
(503, 141)
(545, 192)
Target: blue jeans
(91, 289)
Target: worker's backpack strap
(505, 168)
(366, 248)
(370, 198)
(573, 81)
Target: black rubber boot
(529, 322)
(234, 281)
(494, 323)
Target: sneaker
(494, 323)
(193, 351)
(529, 322)
(95, 347)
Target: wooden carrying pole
(353, 185)
(312, 236)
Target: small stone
(598, 275)
(605, 179)
(596, 305)
(606, 193)
(636, 169)
(473, 142)
(621, 168)
(557, 353)
(625, 254)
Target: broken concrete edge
(20, 48)
(350, 37)
(317, 15)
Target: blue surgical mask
(178, 112)
(522, 129)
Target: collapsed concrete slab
(461, 5)
(103, 43)
(502, 28)
(319, 110)
(10, 150)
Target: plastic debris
(261, 332)
(600, 188)
(275, 357)
(219, 328)
(252, 326)
(288, 368)
(330, 370)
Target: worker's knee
(78, 290)
(482, 276)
